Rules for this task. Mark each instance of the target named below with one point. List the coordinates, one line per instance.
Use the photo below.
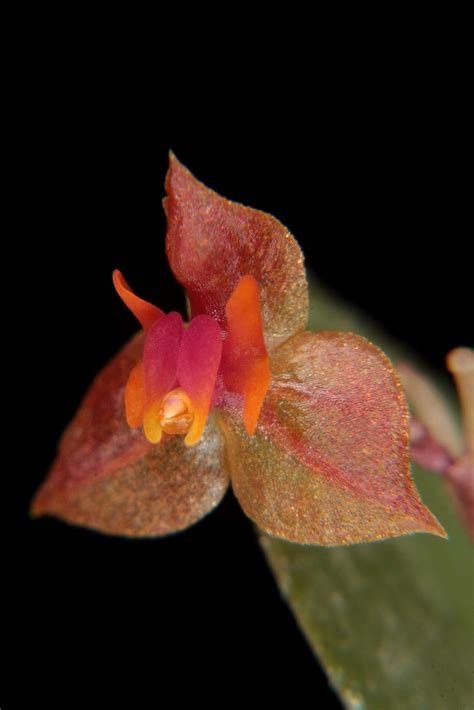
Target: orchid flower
(311, 429)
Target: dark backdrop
(371, 187)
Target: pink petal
(160, 362)
(199, 359)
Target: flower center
(176, 412)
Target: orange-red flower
(187, 371)
(310, 428)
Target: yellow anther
(176, 412)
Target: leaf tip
(174, 164)
(42, 502)
(35, 509)
(428, 523)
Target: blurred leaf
(392, 622)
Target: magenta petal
(160, 362)
(198, 363)
(160, 357)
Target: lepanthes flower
(186, 371)
(311, 429)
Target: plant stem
(461, 364)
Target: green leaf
(392, 622)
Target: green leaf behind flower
(392, 622)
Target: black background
(369, 177)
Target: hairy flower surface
(311, 429)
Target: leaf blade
(392, 621)
(441, 673)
